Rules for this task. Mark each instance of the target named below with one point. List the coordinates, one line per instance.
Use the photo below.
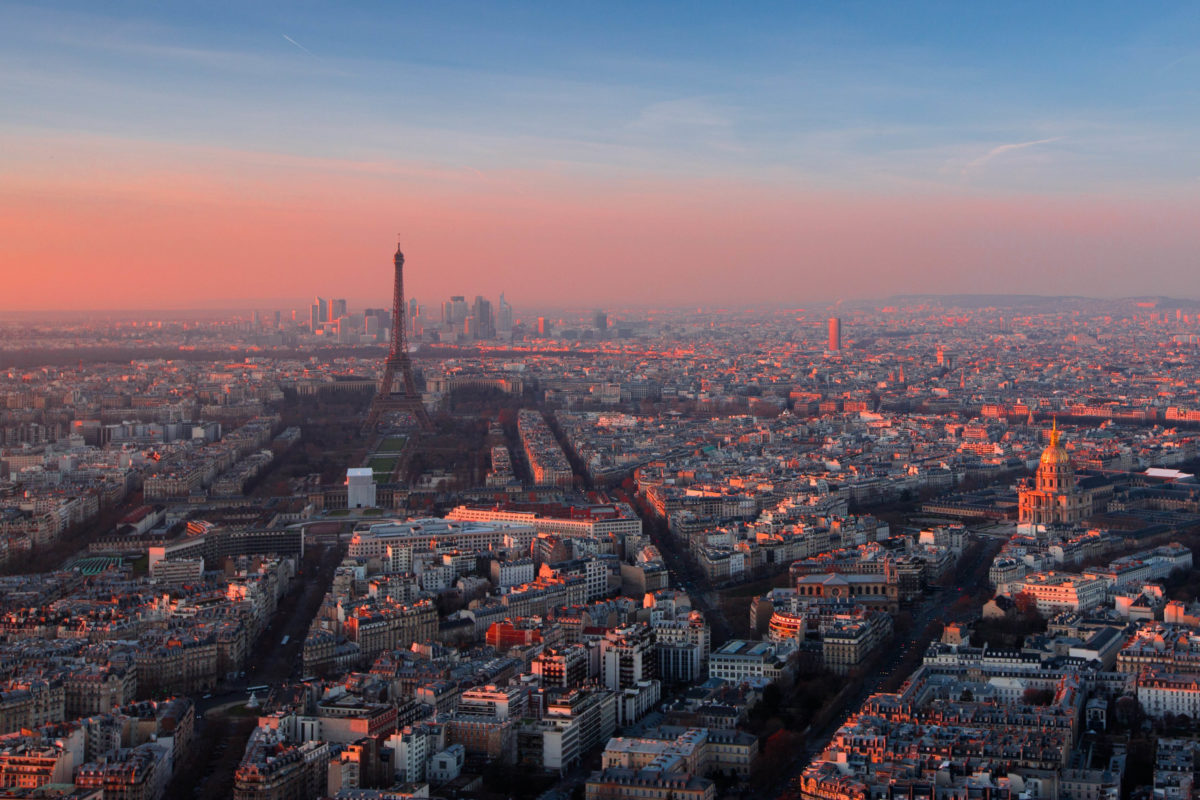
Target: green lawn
(383, 464)
(392, 444)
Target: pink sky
(89, 222)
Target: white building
(1162, 693)
(637, 701)
(576, 724)
(492, 701)
(600, 521)
(414, 747)
(372, 540)
(1060, 591)
(738, 660)
(360, 487)
(506, 574)
(627, 655)
(447, 765)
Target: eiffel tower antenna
(392, 398)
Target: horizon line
(816, 305)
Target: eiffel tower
(403, 398)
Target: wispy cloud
(302, 47)
(1005, 148)
(71, 39)
(672, 115)
(687, 122)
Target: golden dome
(1055, 454)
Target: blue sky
(857, 94)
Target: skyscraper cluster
(458, 321)
(463, 321)
(323, 311)
(332, 318)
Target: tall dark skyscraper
(485, 322)
(504, 317)
(835, 333)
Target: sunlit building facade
(1055, 498)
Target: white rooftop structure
(1169, 474)
(374, 538)
(360, 487)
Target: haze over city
(173, 156)
(599, 401)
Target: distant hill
(1034, 302)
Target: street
(222, 726)
(938, 605)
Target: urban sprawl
(930, 548)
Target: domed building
(1055, 498)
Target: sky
(164, 155)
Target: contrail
(302, 47)
(1004, 148)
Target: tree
(1128, 711)
(1038, 697)
(1025, 603)
(777, 755)
(772, 697)
(1139, 762)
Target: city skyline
(626, 548)
(154, 157)
(623, 401)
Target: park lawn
(383, 464)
